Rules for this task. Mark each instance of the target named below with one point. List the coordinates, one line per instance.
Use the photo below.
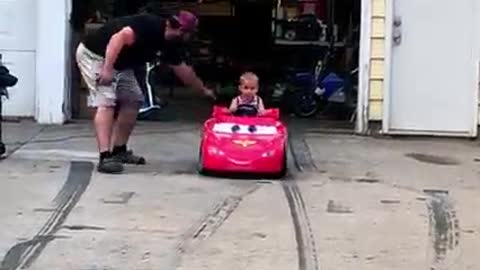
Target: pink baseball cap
(187, 20)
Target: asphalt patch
(338, 208)
(122, 198)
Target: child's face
(248, 88)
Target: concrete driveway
(349, 203)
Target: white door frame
(388, 68)
(52, 58)
(364, 67)
(387, 65)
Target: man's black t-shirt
(149, 39)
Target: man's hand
(209, 93)
(187, 75)
(124, 37)
(106, 76)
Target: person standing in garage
(107, 59)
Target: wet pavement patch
(433, 159)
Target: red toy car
(244, 142)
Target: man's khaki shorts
(124, 90)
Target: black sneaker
(110, 165)
(129, 158)
(3, 149)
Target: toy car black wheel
(281, 174)
(3, 150)
(201, 170)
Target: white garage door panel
(17, 25)
(434, 74)
(22, 96)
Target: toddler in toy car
(248, 88)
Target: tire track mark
(306, 246)
(444, 229)
(210, 223)
(301, 153)
(23, 255)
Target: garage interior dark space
(304, 51)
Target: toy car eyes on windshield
(251, 128)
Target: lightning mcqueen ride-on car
(244, 142)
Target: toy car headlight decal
(270, 153)
(215, 151)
